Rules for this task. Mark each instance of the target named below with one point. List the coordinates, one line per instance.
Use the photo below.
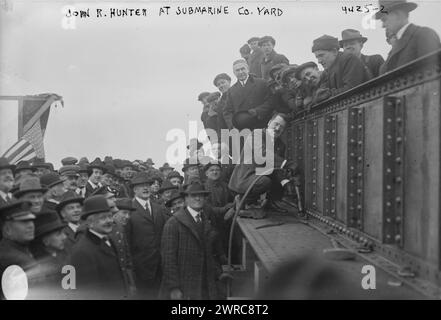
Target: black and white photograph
(234, 151)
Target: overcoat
(187, 258)
(255, 62)
(269, 62)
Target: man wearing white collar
(412, 41)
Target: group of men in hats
(268, 83)
(120, 246)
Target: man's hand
(253, 112)
(176, 294)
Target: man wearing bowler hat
(31, 190)
(94, 256)
(70, 208)
(271, 57)
(17, 227)
(6, 181)
(55, 191)
(144, 230)
(412, 41)
(343, 70)
(248, 95)
(96, 170)
(352, 42)
(190, 270)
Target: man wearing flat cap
(70, 209)
(17, 227)
(190, 270)
(256, 57)
(271, 57)
(249, 95)
(6, 181)
(343, 70)
(98, 271)
(69, 173)
(55, 191)
(31, 190)
(412, 41)
(222, 82)
(144, 230)
(352, 42)
(96, 170)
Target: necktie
(198, 218)
(107, 241)
(8, 198)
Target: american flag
(32, 126)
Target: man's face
(111, 201)
(277, 125)
(107, 180)
(241, 71)
(193, 172)
(213, 173)
(23, 173)
(96, 175)
(19, 231)
(166, 195)
(55, 240)
(70, 182)
(195, 201)
(101, 222)
(57, 191)
(393, 21)
(177, 204)
(36, 199)
(267, 47)
(72, 212)
(326, 57)
(254, 45)
(142, 191)
(155, 187)
(6, 180)
(310, 76)
(121, 217)
(223, 85)
(176, 181)
(82, 179)
(353, 46)
(127, 173)
(292, 82)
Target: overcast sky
(127, 81)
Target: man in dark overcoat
(271, 57)
(144, 230)
(256, 57)
(412, 41)
(70, 209)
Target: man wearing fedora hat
(144, 230)
(190, 270)
(55, 191)
(165, 170)
(23, 169)
(18, 230)
(98, 272)
(70, 208)
(6, 181)
(343, 70)
(249, 95)
(96, 170)
(31, 190)
(412, 41)
(175, 202)
(352, 42)
(42, 167)
(271, 57)
(165, 192)
(175, 178)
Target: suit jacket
(245, 172)
(346, 72)
(144, 232)
(71, 238)
(372, 64)
(267, 63)
(254, 95)
(187, 258)
(89, 189)
(98, 273)
(415, 42)
(3, 202)
(255, 62)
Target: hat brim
(53, 184)
(33, 169)
(303, 67)
(169, 202)
(49, 228)
(132, 184)
(19, 193)
(406, 6)
(89, 213)
(11, 167)
(23, 217)
(185, 167)
(186, 193)
(90, 167)
(62, 204)
(161, 190)
(362, 39)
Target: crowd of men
(131, 231)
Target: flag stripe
(20, 150)
(21, 154)
(14, 147)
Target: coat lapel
(141, 211)
(184, 217)
(244, 92)
(103, 247)
(403, 42)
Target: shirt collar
(402, 30)
(93, 184)
(193, 213)
(99, 235)
(142, 201)
(73, 226)
(243, 83)
(4, 194)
